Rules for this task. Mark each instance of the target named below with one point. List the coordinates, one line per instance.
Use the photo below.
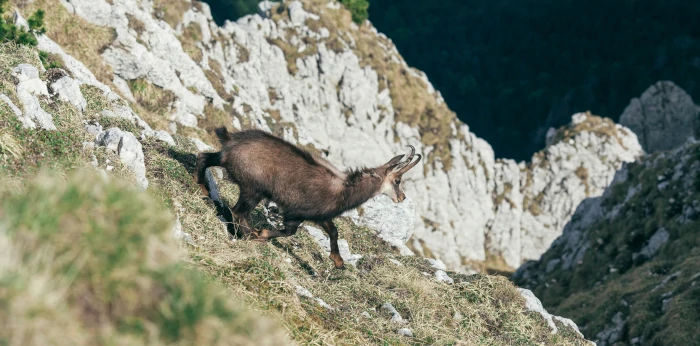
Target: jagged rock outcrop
(663, 118)
(129, 149)
(29, 86)
(580, 162)
(68, 90)
(304, 71)
(641, 232)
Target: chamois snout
(395, 171)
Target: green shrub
(358, 8)
(10, 32)
(95, 258)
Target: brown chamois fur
(305, 187)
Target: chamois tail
(223, 134)
(204, 161)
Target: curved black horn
(405, 169)
(410, 156)
(408, 159)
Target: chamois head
(392, 172)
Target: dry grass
(265, 276)
(494, 264)
(171, 11)
(192, 34)
(136, 24)
(593, 123)
(291, 52)
(152, 98)
(214, 75)
(583, 175)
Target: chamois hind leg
(204, 161)
(332, 232)
(290, 228)
(247, 200)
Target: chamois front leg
(246, 203)
(332, 232)
(290, 228)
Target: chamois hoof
(262, 235)
(338, 262)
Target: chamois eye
(397, 181)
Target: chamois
(304, 186)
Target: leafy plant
(50, 60)
(358, 8)
(20, 35)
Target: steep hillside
(627, 267)
(305, 71)
(92, 253)
(94, 256)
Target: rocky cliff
(305, 71)
(627, 266)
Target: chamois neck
(359, 187)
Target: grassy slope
(262, 275)
(610, 279)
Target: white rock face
(324, 241)
(443, 277)
(164, 136)
(68, 90)
(201, 146)
(305, 293)
(395, 316)
(26, 121)
(405, 332)
(28, 88)
(557, 180)
(334, 102)
(393, 221)
(436, 263)
(534, 304)
(129, 150)
(663, 118)
(179, 235)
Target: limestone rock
(129, 150)
(436, 263)
(394, 222)
(305, 293)
(164, 136)
(26, 121)
(443, 277)
(663, 117)
(613, 331)
(322, 239)
(68, 90)
(201, 146)
(405, 332)
(395, 316)
(655, 243)
(178, 234)
(534, 304)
